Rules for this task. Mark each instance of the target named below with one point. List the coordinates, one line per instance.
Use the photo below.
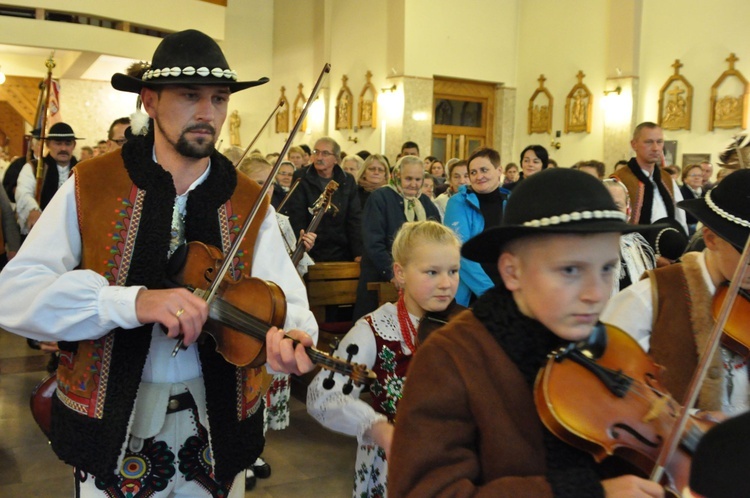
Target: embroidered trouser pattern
(157, 470)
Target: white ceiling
(87, 66)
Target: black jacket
(339, 233)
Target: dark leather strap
(180, 402)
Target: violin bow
(50, 63)
(288, 194)
(671, 443)
(252, 142)
(210, 293)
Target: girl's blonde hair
(419, 232)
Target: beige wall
(702, 35)
(400, 41)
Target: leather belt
(180, 402)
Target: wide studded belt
(180, 402)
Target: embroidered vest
(124, 217)
(390, 369)
(682, 324)
(635, 190)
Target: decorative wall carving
(367, 115)
(299, 104)
(729, 110)
(282, 117)
(540, 109)
(676, 101)
(344, 102)
(578, 107)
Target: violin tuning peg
(348, 387)
(335, 344)
(328, 383)
(351, 350)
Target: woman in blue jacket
(475, 208)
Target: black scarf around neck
(571, 472)
(648, 191)
(51, 179)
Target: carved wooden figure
(578, 107)
(540, 109)
(676, 101)
(729, 110)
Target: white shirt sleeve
(25, 195)
(346, 413)
(271, 262)
(46, 298)
(631, 310)
(679, 213)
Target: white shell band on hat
(716, 209)
(173, 72)
(577, 216)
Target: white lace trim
(597, 214)
(716, 209)
(173, 72)
(385, 323)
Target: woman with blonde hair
(374, 173)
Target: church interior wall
(407, 43)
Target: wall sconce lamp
(617, 90)
(389, 88)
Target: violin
(242, 312)
(604, 396)
(321, 206)
(736, 335)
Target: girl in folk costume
(426, 262)
(385, 211)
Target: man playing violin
(467, 424)
(669, 313)
(95, 275)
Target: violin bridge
(657, 407)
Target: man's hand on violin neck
(180, 312)
(282, 355)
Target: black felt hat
(725, 209)
(669, 241)
(720, 461)
(556, 200)
(185, 58)
(61, 131)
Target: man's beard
(198, 149)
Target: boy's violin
(736, 331)
(604, 396)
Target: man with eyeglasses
(58, 165)
(116, 135)
(339, 233)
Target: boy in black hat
(128, 414)
(669, 313)
(467, 424)
(58, 164)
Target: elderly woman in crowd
(385, 211)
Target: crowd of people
(512, 261)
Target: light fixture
(2, 76)
(617, 90)
(389, 88)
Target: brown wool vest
(682, 324)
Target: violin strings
(245, 323)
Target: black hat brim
(727, 230)
(487, 246)
(126, 83)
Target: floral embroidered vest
(390, 369)
(125, 204)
